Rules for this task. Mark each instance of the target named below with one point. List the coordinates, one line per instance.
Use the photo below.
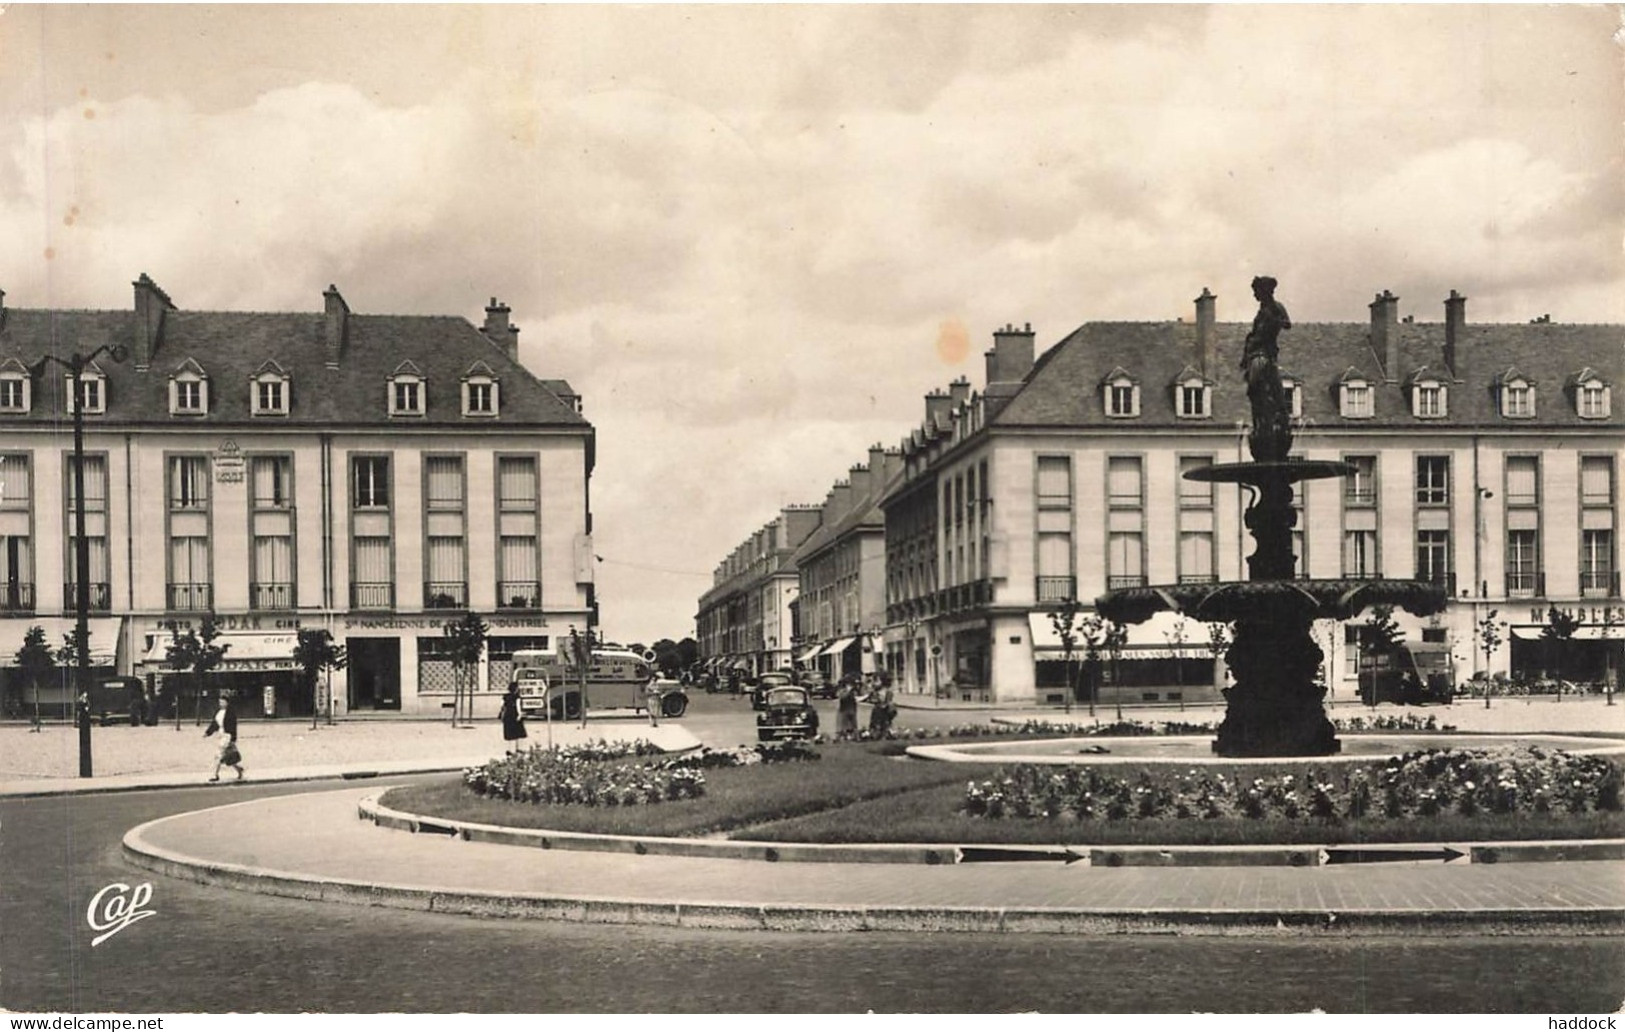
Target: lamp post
(75, 364)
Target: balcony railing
(270, 596)
(1125, 580)
(1526, 584)
(1599, 583)
(1197, 578)
(519, 595)
(1055, 589)
(445, 594)
(101, 596)
(1446, 579)
(372, 595)
(16, 598)
(190, 597)
(1360, 496)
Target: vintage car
(816, 682)
(765, 684)
(787, 712)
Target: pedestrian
(513, 718)
(846, 711)
(651, 699)
(225, 724)
(882, 710)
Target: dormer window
(480, 392)
(1293, 393)
(1591, 396)
(188, 391)
(407, 391)
(1120, 395)
(1355, 401)
(1193, 395)
(268, 391)
(92, 387)
(1428, 399)
(16, 388)
(1517, 396)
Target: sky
(754, 237)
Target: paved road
(215, 950)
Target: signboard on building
(228, 463)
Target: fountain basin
(1335, 598)
(1197, 750)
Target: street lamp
(75, 365)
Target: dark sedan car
(787, 712)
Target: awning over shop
(104, 636)
(1617, 633)
(839, 646)
(1047, 640)
(245, 653)
(1044, 635)
(809, 654)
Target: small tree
(1176, 651)
(36, 662)
(466, 640)
(1610, 672)
(1218, 643)
(1064, 619)
(316, 654)
(1093, 636)
(193, 654)
(1379, 636)
(1488, 631)
(1558, 632)
(1114, 637)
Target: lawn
(864, 792)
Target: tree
(1093, 635)
(1558, 632)
(1063, 618)
(466, 640)
(1218, 643)
(316, 654)
(1176, 639)
(36, 662)
(1379, 636)
(1114, 637)
(1610, 673)
(193, 654)
(1488, 631)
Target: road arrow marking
(1352, 855)
(980, 855)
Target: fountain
(1275, 707)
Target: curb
(1553, 851)
(280, 779)
(859, 918)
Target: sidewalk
(315, 847)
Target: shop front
(256, 666)
(404, 664)
(54, 693)
(1592, 654)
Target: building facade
(747, 620)
(1487, 459)
(376, 476)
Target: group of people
(875, 689)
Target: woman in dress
(513, 718)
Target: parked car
(765, 684)
(817, 683)
(787, 712)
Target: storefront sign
(1585, 614)
(425, 623)
(230, 622)
(228, 463)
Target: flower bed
(1130, 729)
(1416, 785)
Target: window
(188, 482)
(1360, 553)
(1428, 400)
(1054, 529)
(518, 578)
(1592, 400)
(1357, 402)
(446, 584)
(91, 387)
(1054, 482)
(1596, 480)
(1292, 391)
(271, 584)
(14, 393)
(1122, 397)
(272, 480)
(1523, 563)
(372, 482)
(1523, 480)
(1194, 493)
(1597, 564)
(1432, 480)
(187, 396)
(1193, 397)
(15, 484)
(1196, 556)
(1195, 523)
(1517, 399)
(407, 391)
(443, 479)
(1123, 482)
(479, 395)
(1433, 557)
(1124, 558)
(1360, 486)
(270, 397)
(374, 579)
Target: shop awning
(839, 646)
(809, 654)
(1044, 635)
(245, 653)
(104, 636)
(1587, 633)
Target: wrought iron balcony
(1197, 578)
(101, 596)
(519, 595)
(1599, 583)
(1526, 584)
(17, 598)
(1055, 589)
(1125, 580)
(445, 594)
(1446, 579)
(372, 595)
(190, 597)
(270, 596)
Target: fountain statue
(1275, 707)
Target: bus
(617, 679)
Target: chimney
(1205, 309)
(879, 468)
(150, 305)
(1012, 354)
(937, 406)
(839, 502)
(1455, 327)
(2, 309)
(959, 391)
(858, 477)
(338, 318)
(1385, 333)
(501, 333)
